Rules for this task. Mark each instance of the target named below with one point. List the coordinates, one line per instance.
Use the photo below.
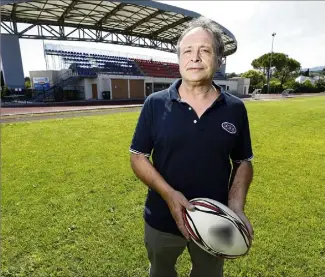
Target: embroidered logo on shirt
(229, 127)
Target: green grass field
(71, 205)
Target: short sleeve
(242, 150)
(142, 139)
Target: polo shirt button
(190, 108)
(195, 121)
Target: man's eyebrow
(201, 46)
(206, 46)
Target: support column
(145, 89)
(12, 64)
(110, 87)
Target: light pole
(269, 75)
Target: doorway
(94, 90)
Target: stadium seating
(158, 69)
(89, 64)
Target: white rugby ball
(217, 229)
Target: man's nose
(195, 56)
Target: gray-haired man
(199, 139)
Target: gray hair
(210, 26)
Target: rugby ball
(217, 229)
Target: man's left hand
(244, 218)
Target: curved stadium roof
(145, 24)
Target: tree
(257, 79)
(27, 82)
(305, 73)
(308, 84)
(291, 83)
(262, 63)
(282, 66)
(2, 79)
(290, 66)
(231, 75)
(320, 85)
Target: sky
(299, 28)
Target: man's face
(197, 57)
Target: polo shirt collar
(174, 95)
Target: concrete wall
(53, 75)
(230, 86)
(63, 73)
(243, 86)
(151, 81)
(42, 73)
(104, 84)
(238, 86)
(88, 87)
(125, 87)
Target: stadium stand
(158, 69)
(88, 64)
(144, 24)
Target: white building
(237, 86)
(123, 87)
(313, 80)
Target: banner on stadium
(41, 83)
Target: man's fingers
(248, 225)
(177, 203)
(187, 205)
(250, 230)
(180, 224)
(183, 230)
(190, 207)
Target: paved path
(63, 113)
(7, 111)
(20, 114)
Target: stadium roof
(145, 24)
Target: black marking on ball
(225, 233)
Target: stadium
(75, 73)
(70, 202)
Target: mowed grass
(71, 205)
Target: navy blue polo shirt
(192, 154)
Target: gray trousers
(163, 249)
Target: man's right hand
(177, 202)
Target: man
(194, 132)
